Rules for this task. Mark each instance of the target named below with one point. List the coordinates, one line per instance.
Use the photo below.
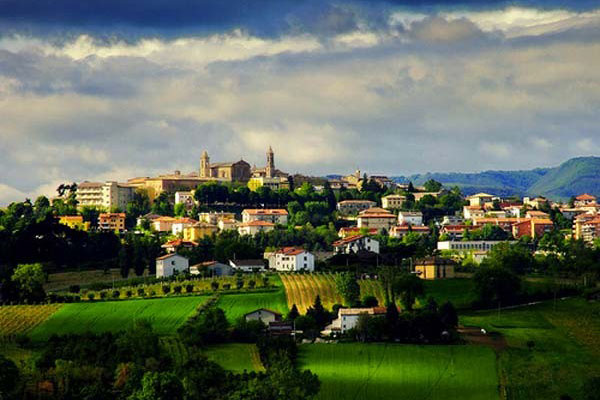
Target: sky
(114, 89)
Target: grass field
(236, 305)
(166, 315)
(16, 320)
(565, 347)
(62, 280)
(460, 292)
(379, 371)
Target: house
(163, 224)
(212, 268)
(584, 200)
(392, 201)
(354, 244)
(248, 265)
(253, 227)
(477, 248)
(171, 264)
(74, 222)
(537, 214)
(292, 259)
(263, 314)
(376, 217)
(452, 220)
(272, 215)
(274, 183)
(536, 202)
(504, 223)
(150, 217)
(571, 213)
(435, 268)
(455, 232)
(198, 231)
(179, 224)
(419, 195)
(172, 245)
(213, 217)
(480, 199)
(414, 218)
(472, 212)
(111, 222)
(186, 198)
(348, 318)
(353, 207)
(227, 224)
(534, 228)
(400, 231)
(355, 230)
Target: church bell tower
(270, 169)
(204, 165)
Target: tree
(432, 186)
(179, 210)
(370, 301)
(515, 257)
(591, 388)
(293, 314)
(448, 315)
(362, 326)
(9, 377)
(349, 288)
(409, 287)
(318, 312)
(123, 261)
(29, 279)
(159, 386)
(496, 285)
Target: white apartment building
(272, 215)
(105, 195)
(414, 218)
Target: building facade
(171, 264)
(272, 215)
(292, 259)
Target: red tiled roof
(348, 239)
(265, 211)
(585, 196)
(290, 251)
(179, 242)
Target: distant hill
(576, 176)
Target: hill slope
(573, 177)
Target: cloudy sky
(113, 89)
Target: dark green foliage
(9, 377)
(209, 327)
(408, 287)
(248, 331)
(348, 288)
(370, 301)
(592, 388)
(496, 285)
(321, 316)
(293, 314)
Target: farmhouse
(171, 264)
(262, 314)
(348, 317)
(354, 244)
(292, 259)
(435, 268)
(212, 268)
(248, 265)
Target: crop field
(16, 320)
(302, 289)
(62, 280)
(165, 315)
(379, 371)
(236, 305)
(551, 351)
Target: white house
(353, 244)
(272, 215)
(248, 265)
(480, 199)
(348, 318)
(253, 227)
(179, 224)
(414, 218)
(171, 264)
(292, 259)
(262, 314)
(186, 198)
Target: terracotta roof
(410, 228)
(168, 256)
(265, 211)
(290, 251)
(248, 262)
(348, 239)
(111, 215)
(356, 201)
(374, 210)
(357, 311)
(585, 196)
(184, 221)
(179, 242)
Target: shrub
(103, 295)
(214, 285)
(226, 286)
(74, 289)
(91, 296)
(189, 288)
(116, 294)
(152, 292)
(177, 289)
(370, 301)
(166, 289)
(129, 293)
(239, 284)
(251, 283)
(141, 292)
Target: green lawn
(565, 347)
(236, 305)
(460, 292)
(380, 371)
(165, 314)
(236, 357)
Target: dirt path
(474, 335)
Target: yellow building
(274, 183)
(435, 268)
(74, 222)
(198, 231)
(112, 222)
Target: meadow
(20, 319)
(386, 371)
(236, 305)
(165, 315)
(552, 349)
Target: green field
(460, 292)
(236, 305)
(564, 347)
(236, 357)
(380, 371)
(166, 315)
